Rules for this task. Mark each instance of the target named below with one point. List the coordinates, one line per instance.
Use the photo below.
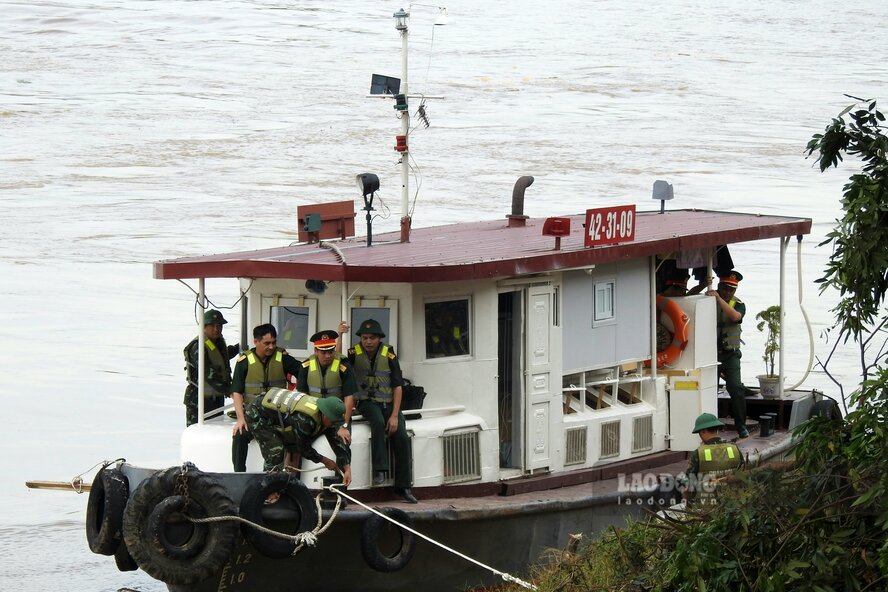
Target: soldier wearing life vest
(713, 460)
(326, 374)
(288, 422)
(378, 374)
(217, 372)
(263, 367)
(730, 313)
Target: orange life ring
(679, 333)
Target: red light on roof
(556, 227)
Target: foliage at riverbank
(817, 525)
(820, 524)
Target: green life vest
(261, 377)
(323, 384)
(374, 380)
(216, 362)
(286, 402)
(728, 331)
(716, 460)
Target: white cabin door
(538, 387)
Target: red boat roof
(477, 250)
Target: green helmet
(332, 407)
(214, 317)
(371, 327)
(707, 421)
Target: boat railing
(424, 410)
(357, 417)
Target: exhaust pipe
(517, 217)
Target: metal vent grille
(643, 433)
(575, 446)
(462, 461)
(610, 439)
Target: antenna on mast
(386, 86)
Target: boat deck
(615, 483)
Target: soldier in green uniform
(287, 422)
(217, 372)
(714, 458)
(378, 374)
(263, 367)
(730, 312)
(326, 374)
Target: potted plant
(769, 322)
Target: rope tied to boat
(77, 480)
(505, 576)
(301, 539)
(310, 538)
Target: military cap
(332, 407)
(732, 278)
(324, 340)
(214, 317)
(678, 277)
(707, 421)
(370, 327)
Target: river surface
(132, 131)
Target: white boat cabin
(531, 350)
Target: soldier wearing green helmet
(712, 460)
(217, 371)
(379, 397)
(284, 421)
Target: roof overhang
(482, 250)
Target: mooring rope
(302, 539)
(310, 538)
(77, 480)
(505, 576)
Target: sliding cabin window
(604, 302)
(447, 328)
(295, 320)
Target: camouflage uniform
(288, 365)
(273, 443)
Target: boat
(549, 408)
(540, 421)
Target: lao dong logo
(655, 489)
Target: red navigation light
(556, 227)
(400, 143)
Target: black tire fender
(172, 533)
(124, 560)
(372, 532)
(295, 506)
(104, 511)
(202, 550)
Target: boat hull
(508, 534)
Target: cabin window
(447, 328)
(295, 320)
(382, 310)
(603, 302)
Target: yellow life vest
(261, 377)
(728, 331)
(323, 384)
(374, 383)
(286, 402)
(715, 461)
